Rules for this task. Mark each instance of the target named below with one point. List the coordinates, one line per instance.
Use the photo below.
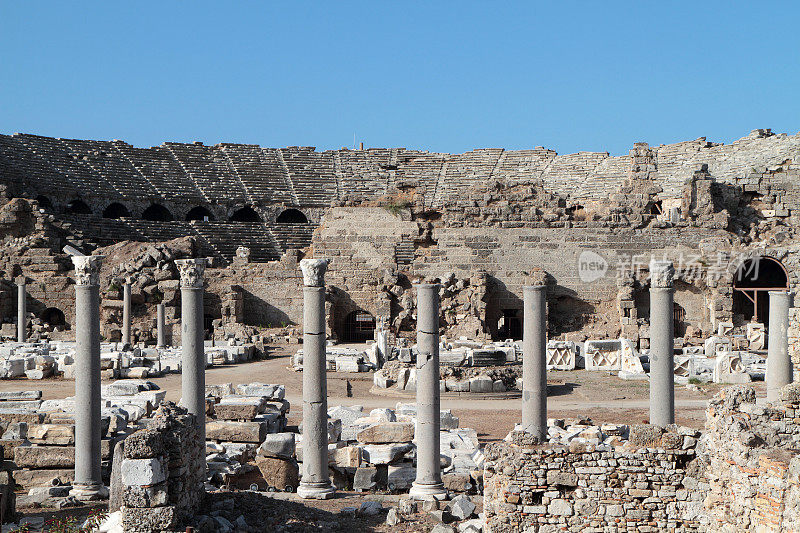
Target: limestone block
(461, 507)
(455, 385)
(387, 432)
(347, 457)
(381, 454)
(20, 395)
(481, 384)
(610, 354)
(56, 434)
(756, 335)
(561, 355)
(142, 472)
(236, 431)
(278, 445)
(233, 408)
(270, 391)
(401, 477)
(150, 518)
(280, 473)
(729, 368)
(44, 456)
(29, 478)
(365, 478)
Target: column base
(428, 491)
(89, 491)
(318, 490)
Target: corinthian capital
(87, 269)
(191, 272)
(314, 272)
(662, 274)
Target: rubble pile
(242, 421)
(39, 435)
(376, 450)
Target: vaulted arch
(158, 213)
(116, 210)
(199, 213)
(292, 216)
(245, 214)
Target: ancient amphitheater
(502, 276)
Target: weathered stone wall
(753, 461)
(648, 484)
(162, 473)
(741, 474)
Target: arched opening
(656, 208)
(53, 317)
(199, 213)
(78, 207)
(358, 326)
(116, 210)
(44, 202)
(245, 214)
(157, 213)
(510, 325)
(292, 216)
(753, 280)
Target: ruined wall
(648, 484)
(754, 465)
(162, 473)
(741, 474)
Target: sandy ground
(597, 395)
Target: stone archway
(358, 326)
(752, 281)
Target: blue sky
(441, 76)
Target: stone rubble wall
(754, 464)
(650, 483)
(741, 474)
(162, 473)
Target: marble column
(534, 361)
(428, 484)
(662, 344)
(160, 333)
(315, 482)
(193, 356)
(126, 313)
(88, 484)
(779, 365)
(22, 309)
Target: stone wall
(648, 484)
(754, 464)
(162, 473)
(741, 474)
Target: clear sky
(440, 76)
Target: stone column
(126, 312)
(428, 484)
(534, 361)
(160, 333)
(662, 344)
(193, 356)
(779, 365)
(22, 309)
(315, 483)
(88, 483)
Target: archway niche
(116, 210)
(44, 202)
(78, 207)
(358, 326)
(199, 213)
(157, 213)
(292, 216)
(751, 284)
(53, 317)
(245, 214)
